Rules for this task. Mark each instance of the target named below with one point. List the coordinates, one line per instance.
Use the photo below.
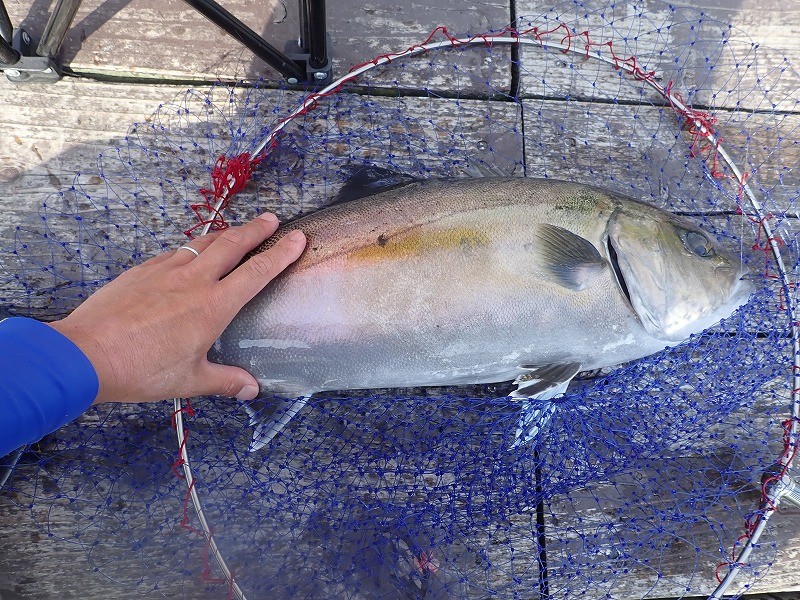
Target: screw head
(291, 80)
(319, 75)
(25, 37)
(12, 73)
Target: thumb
(222, 380)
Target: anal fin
(536, 388)
(268, 418)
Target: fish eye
(698, 243)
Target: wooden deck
(130, 56)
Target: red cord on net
(179, 462)
(766, 504)
(206, 575)
(229, 176)
(427, 563)
(701, 127)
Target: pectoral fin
(572, 260)
(536, 388)
(269, 417)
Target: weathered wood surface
(640, 150)
(50, 133)
(52, 528)
(756, 68)
(170, 40)
(669, 564)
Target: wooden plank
(120, 40)
(42, 554)
(52, 137)
(162, 40)
(473, 499)
(661, 559)
(662, 563)
(296, 180)
(681, 44)
(641, 151)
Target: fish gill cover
(645, 482)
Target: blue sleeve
(45, 382)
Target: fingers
(228, 249)
(221, 380)
(250, 278)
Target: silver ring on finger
(190, 249)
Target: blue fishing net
(646, 481)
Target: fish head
(676, 277)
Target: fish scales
(452, 281)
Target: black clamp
(319, 68)
(21, 64)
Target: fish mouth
(614, 260)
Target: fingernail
(268, 217)
(248, 392)
(295, 236)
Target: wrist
(81, 338)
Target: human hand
(147, 332)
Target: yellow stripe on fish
(414, 242)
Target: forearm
(46, 381)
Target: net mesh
(647, 479)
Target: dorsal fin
(478, 168)
(370, 180)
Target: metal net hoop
(231, 173)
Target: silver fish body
(464, 281)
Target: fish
(409, 282)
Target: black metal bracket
(25, 65)
(313, 75)
(305, 61)
(21, 62)
(308, 60)
(314, 47)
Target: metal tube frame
(249, 38)
(8, 56)
(57, 26)
(6, 30)
(308, 59)
(312, 32)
